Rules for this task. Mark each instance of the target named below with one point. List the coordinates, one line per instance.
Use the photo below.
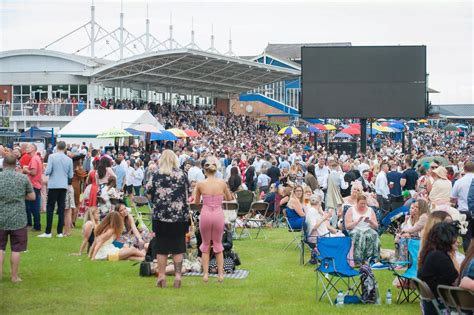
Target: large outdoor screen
(363, 82)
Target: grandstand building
(48, 88)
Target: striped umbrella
(289, 131)
(320, 127)
(178, 132)
(330, 127)
(192, 133)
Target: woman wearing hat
(441, 188)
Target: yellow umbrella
(178, 132)
(289, 131)
(422, 121)
(330, 127)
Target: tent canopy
(91, 122)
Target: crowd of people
(327, 193)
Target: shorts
(18, 239)
(128, 189)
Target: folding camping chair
(259, 208)
(334, 268)
(296, 232)
(244, 199)
(392, 221)
(406, 291)
(144, 217)
(464, 299)
(445, 296)
(425, 293)
(231, 210)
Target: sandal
(161, 283)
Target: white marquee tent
(91, 122)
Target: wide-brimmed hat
(441, 172)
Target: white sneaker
(45, 235)
(60, 235)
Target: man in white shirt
(258, 163)
(322, 173)
(381, 187)
(459, 195)
(195, 173)
(363, 165)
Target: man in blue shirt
(60, 172)
(393, 178)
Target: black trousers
(466, 239)
(55, 196)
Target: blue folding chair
(334, 268)
(408, 292)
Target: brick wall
(5, 96)
(222, 105)
(259, 110)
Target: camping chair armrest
(327, 260)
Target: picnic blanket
(238, 274)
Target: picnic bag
(368, 284)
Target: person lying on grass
(91, 221)
(109, 230)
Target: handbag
(146, 269)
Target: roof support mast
(147, 34)
(121, 44)
(92, 36)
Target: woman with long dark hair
(250, 177)
(436, 263)
(234, 180)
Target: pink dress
(211, 223)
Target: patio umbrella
(462, 126)
(386, 124)
(397, 125)
(114, 133)
(382, 119)
(354, 126)
(351, 131)
(289, 131)
(374, 131)
(313, 129)
(134, 132)
(302, 129)
(330, 127)
(146, 128)
(342, 135)
(422, 121)
(412, 121)
(451, 128)
(178, 132)
(192, 133)
(163, 135)
(320, 126)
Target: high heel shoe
(220, 278)
(177, 284)
(205, 278)
(161, 283)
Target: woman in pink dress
(211, 220)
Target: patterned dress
(170, 211)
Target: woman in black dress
(168, 195)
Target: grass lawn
(56, 283)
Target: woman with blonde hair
(107, 231)
(294, 210)
(91, 221)
(211, 220)
(168, 196)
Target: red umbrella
(386, 124)
(356, 126)
(192, 133)
(320, 127)
(351, 131)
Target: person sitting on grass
(130, 235)
(362, 225)
(103, 249)
(91, 221)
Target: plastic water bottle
(388, 298)
(340, 299)
(378, 300)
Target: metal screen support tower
(230, 52)
(192, 44)
(363, 135)
(171, 30)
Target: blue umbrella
(342, 135)
(163, 135)
(374, 131)
(397, 125)
(313, 129)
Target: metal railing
(41, 109)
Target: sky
(444, 26)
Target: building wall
(222, 105)
(5, 93)
(259, 110)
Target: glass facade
(23, 93)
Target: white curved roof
(55, 54)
